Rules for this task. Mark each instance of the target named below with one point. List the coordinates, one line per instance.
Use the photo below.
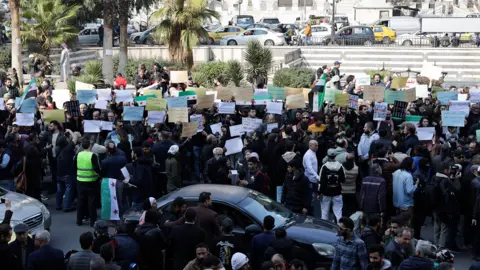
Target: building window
(384, 14)
(301, 3)
(285, 3)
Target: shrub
(235, 72)
(205, 74)
(5, 59)
(294, 77)
(132, 65)
(93, 68)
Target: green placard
(391, 96)
(187, 93)
(276, 92)
(412, 118)
(330, 94)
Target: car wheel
(332, 43)
(232, 43)
(407, 43)
(211, 41)
(136, 39)
(269, 42)
(386, 40)
(367, 43)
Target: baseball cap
(239, 260)
(337, 63)
(20, 228)
(331, 152)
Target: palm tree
(16, 44)
(259, 62)
(181, 27)
(54, 23)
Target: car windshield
(2, 192)
(271, 21)
(244, 20)
(261, 206)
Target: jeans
(326, 203)
(309, 40)
(196, 159)
(87, 201)
(64, 187)
(440, 230)
(8, 185)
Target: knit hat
(173, 149)
(239, 260)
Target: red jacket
(120, 81)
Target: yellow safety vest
(85, 172)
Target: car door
(239, 218)
(345, 36)
(94, 36)
(378, 32)
(260, 35)
(245, 37)
(83, 36)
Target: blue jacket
(260, 243)
(126, 250)
(416, 263)
(403, 189)
(46, 257)
(112, 165)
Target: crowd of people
(376, 179)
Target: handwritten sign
(362, 80)
(123, 96)
(156, 93)
(453, 119)
(216, 128)
(178, 76)
(224, 93)
(463, 106)
(399, 109)
(251, 124)
(236, 130)
(132, 113)
(50, 115)
(156, 104)
(177, 102)
(341, 99)
(447, 96)
(410, 95)
(276, 92)
(104, 94)
(189, 129)
(177, 115)
(295, 102)
(86, 96)
(293, 91)
(474, 95)
(421, 90)
(425, 133)
(373, 93)
(155, 117)
(243, 94)
(60, 97)
(92, 126)
(226, 108)
(380, 111)
(353, 102)
(399, 82)
(205, 102)
(233, 146)
(275, 107)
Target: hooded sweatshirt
(332, 175)
(386, 265)
(340, 155)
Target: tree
(181, 27)
(16, 42)
(54, 23)
(123, 14)
(108, 16)
(259, 62)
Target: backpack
(433, 193)
(266, 182)
(333, 178)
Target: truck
(450, 24)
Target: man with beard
(350, 251)
(23, 245)
(377, 262)
(173, 215)
(201, 252)
(369, 135)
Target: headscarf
(147, 205)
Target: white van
(401, 24)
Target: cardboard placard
(341, 100)
(373, 93)
(189, 129)
(178, 76)
(177, 115)
(295, 102)
(399, 82)
(205, 102)
(224, 93)
(293, 91)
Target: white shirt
(310, 163)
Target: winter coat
(296, 191)
(350, 185)
(395, 253)
(371, 237)
(174, 179)
(411, 141)
(340, 155)
(324, 188)
(282, 166)
(373, 195)
(112, 165)
(382, 143)
(142, 179)
(127, 250)
(160, 150)
(152, 242)
(416, 263)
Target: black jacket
(142, 179)
(394, 253)
(371, 237)
(152, 242)
(142, 82)
(8, 258)
(160, 150)
(65, 159)
(296, 191)
(182, 243)
(16, 249)
(416, 263)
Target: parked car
(352, 35)
(384, 34)
(242, 20)
(215, 37)
(265, 36)
(247, 209)
(27, 210)
(258, 25)
(141, 37)
(418, 38)
(318, 33)
(271, 22)
(89, 36)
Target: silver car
(266, 36)
(27, 210)
(418, 38)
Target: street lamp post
(333, 21)
(239, 6)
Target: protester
(350, 251)
(46, 257)
(23, 245)
(260, 242)
(81, 260)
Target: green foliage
(259, 61)
(132, 65)
(235, 72)
(294, 77)
(5, 58)
(86, 78)
(205, 74)
(54, 23)
(382, 72)
(93, 68)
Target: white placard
(92, 126)
(236, 130)
(233, 146)
(155, 117)
(261, 91)
(362, 80)
(425, 133)
(226, 108)
(216, 128)
(270, 127)
(463, 106)
(60, 96)
(24, 119)
(197, 118)
(101, 104)
(431, 71)
(274, 107)
(104, 94)
(251, 124)
(462, 97)
(125, 173)
(107, 125)
(123, 96)
(421, 91)
(474, 95)
(2, 104)
(83, 86)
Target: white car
(90, 36)
(27, 210)
(418, 38)
(266, 37)
(318, 33)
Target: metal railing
(292, 56)
(463, 41)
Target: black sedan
(247, 208)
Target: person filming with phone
(7, 256)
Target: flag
(191, 95)
(141, 100)
(30, 91)
(110, 209)
(319, 88)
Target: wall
(369, 15)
